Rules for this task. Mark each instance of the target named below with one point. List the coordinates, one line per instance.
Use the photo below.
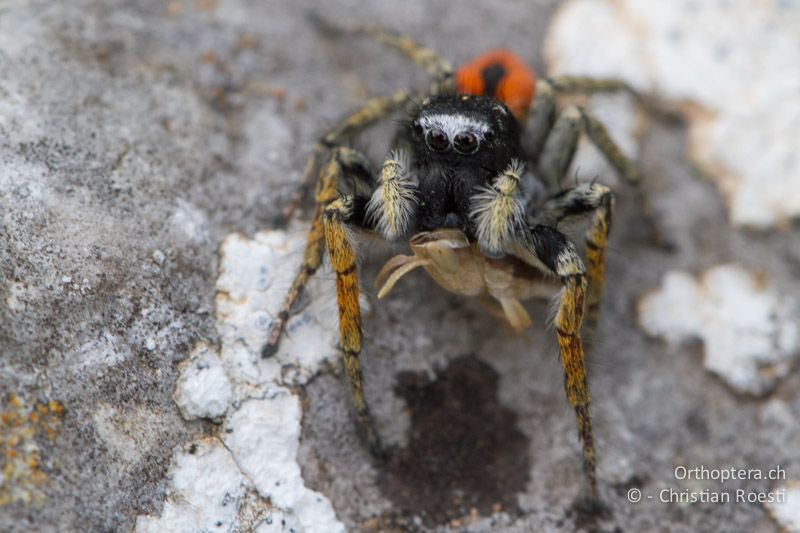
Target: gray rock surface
(135, 136)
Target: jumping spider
(456, 189)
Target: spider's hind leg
(557, 142)
(422, 56)
(554, 139)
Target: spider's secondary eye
(437, 140)
(466, 143)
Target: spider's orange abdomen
(501, 74)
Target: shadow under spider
(464, 451)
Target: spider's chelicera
(475, 184)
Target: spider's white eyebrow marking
(453, 124)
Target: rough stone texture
(135, 136)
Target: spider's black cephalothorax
(457, 144)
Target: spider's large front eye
(437, 140)
(466, 143)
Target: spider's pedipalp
(373, 111)
(393, 205)
(499, 210)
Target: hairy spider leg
(343, 262)
(554, 139)
(326, 192)
(422, 56)
(577, 202)
(374, 110)
(328, 233)
(543, 246)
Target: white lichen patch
(255, 275)
(749, 330)
(731, 67)
(786, 513)
(225, 482)
(102, 350)
(203, 390)
(206, 489)
(263, 435)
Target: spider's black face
(457, 144)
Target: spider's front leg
(575, 203)
(545, 246)
(390, 210)
(326, 182)
(326, 192)
(346, 168)
(343, 262)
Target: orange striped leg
(312, 256)
(577, 203)
(596, 240)
(545, 246)
(568, 328)
(371, 112)
(343, 262)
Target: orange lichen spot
(20, 461)
(173, 8)
(55, 407)
(208, 57)
(300, 104)
(278, 93)
(205, 5)
(247, 42)
(503, 75)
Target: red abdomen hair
(503, 75)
